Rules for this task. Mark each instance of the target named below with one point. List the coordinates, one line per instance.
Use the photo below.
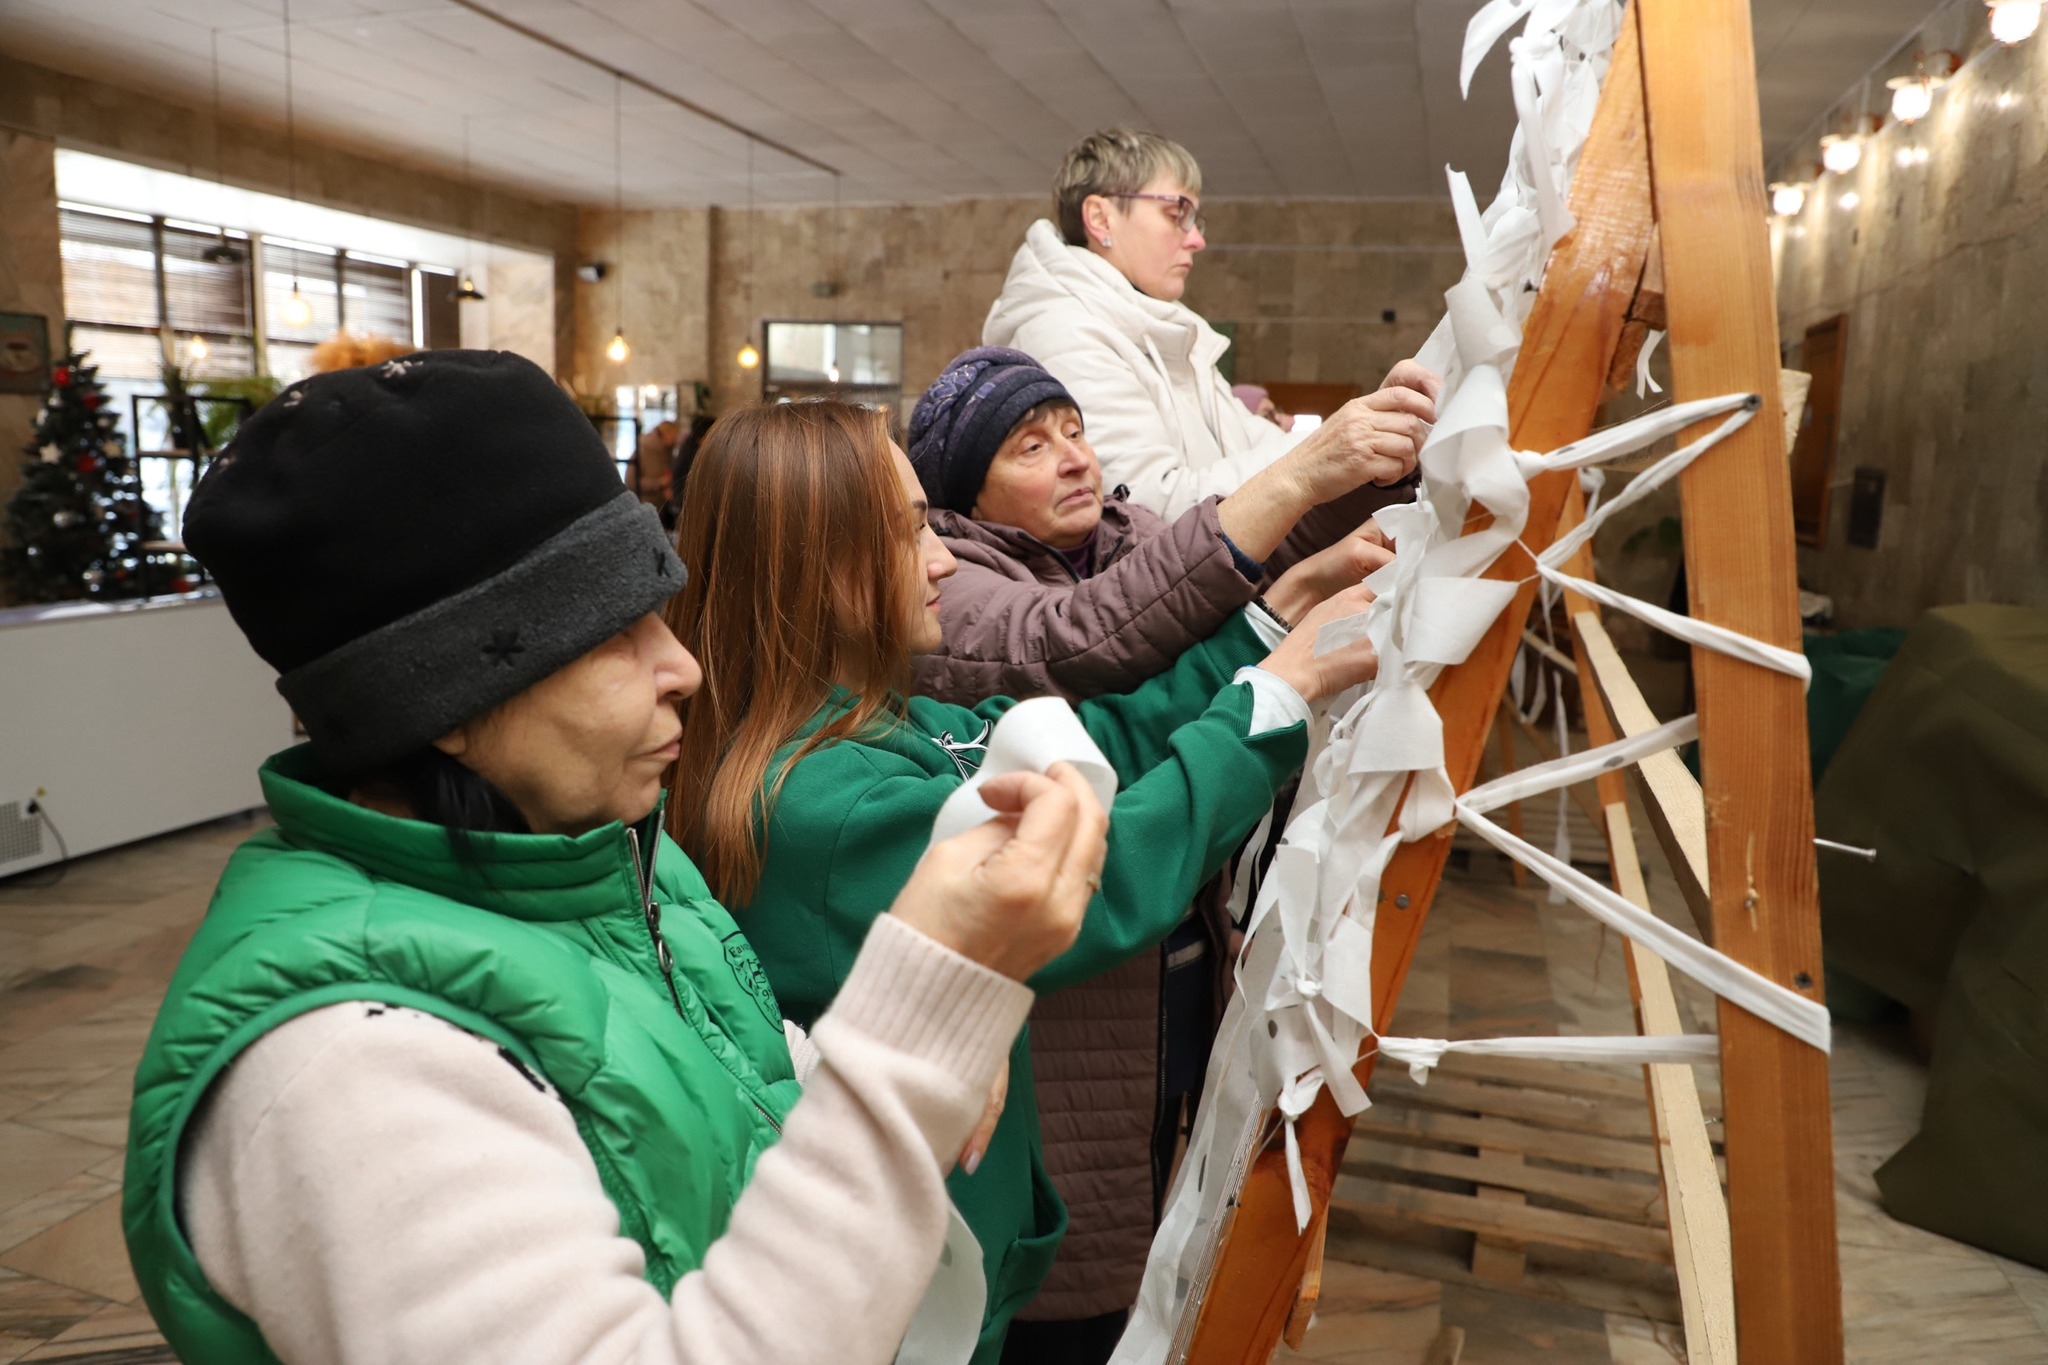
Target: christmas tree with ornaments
(78, 528)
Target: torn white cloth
(1031, 737)
(1422, 1055)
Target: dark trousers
(1071, 1341)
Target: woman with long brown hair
(808, 783)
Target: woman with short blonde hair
(1097, 301)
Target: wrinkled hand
(1295, 594)
(1375, 439)
(977, 1142)
(1010, 892)
(1295, 661)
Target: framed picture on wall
(24, 353)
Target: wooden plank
(1364, 1239)
(1671, 793)
(1555, 391)
(1697, 1213)
(1311, 1291)
(1696, 1209)
(1699, 67)
(1545, 1109)
(1524, 1222)
(1569, 1078)
(1579, 1149)
(1630, 1200)
(1495, 1258)
(1505, 731)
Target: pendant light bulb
(297, 311)
(198, 349)
(748, 356)
(1788, 199)
(467, 290)
(618, 350)
(2014, 21)
(1912, 98)
(1841, 152)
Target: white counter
(135, 718)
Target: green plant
(222, 418)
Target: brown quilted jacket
(1019, 623)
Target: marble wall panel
(1305, 282)
(1941, 266)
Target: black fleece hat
(965, 416)
(411, 543)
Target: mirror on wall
(860, 362)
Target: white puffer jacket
(1160, 414)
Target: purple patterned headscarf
(964, 417)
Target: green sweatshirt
(854, 817)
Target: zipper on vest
(643, 872)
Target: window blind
(109, 269)
(202, 295)
(377, 297)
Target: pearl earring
(1107, 242)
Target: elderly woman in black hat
(465, 1062)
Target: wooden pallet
(1539, 1178)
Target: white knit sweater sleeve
(386, 1188)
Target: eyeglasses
(1186, 213)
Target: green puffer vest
(543, 945)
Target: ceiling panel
(911, 100)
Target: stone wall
(94, 116)
(1941, 268)
(1308, 284)
(31, 274)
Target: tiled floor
(84, 962)
(1497, 960)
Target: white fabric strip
(1421, 1055)
(1031, 737)
(1806, 1020)
(1583, 766)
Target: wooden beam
(1556, 389)
(1706, 161)
(1497, 1218)
(1671, 793)
(1510, 1135)
(1696, 1211)
(1635, 1201)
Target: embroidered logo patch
(746, 969)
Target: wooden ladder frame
(1671, 176)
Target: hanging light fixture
(467, 292)
(618, 350)
(222, 252)
(197, 349)
(2014, 21)
(1913, 96)
(297, 311)
(748, 357)
(1841, 152)
(1787, 199)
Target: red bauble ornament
(92, 400)
(61, 376)
(88, 463)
